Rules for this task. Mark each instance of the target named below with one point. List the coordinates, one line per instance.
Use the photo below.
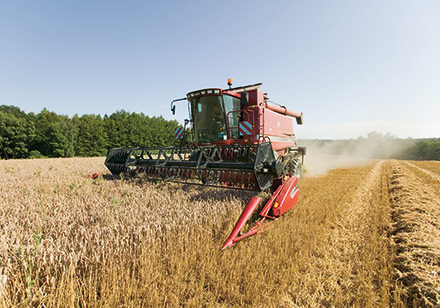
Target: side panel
(278, 125)
(261, 124)
(256, 97)
(278, 129)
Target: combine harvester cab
(236, 138)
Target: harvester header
(234, 138)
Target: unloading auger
(236, 138)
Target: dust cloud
(325, 155)
(318, 164)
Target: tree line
(47, 134)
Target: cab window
(232, 108)
(209, 119)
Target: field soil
(360, 236)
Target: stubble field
(365, 236)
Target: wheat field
(363, 236)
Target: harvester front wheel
(293, 167)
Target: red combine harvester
(237, 138)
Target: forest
(47, 134)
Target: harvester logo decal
(178, 133)
(245, 128)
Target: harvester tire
(294, 167)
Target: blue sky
(351, 66)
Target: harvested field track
(365, 236)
